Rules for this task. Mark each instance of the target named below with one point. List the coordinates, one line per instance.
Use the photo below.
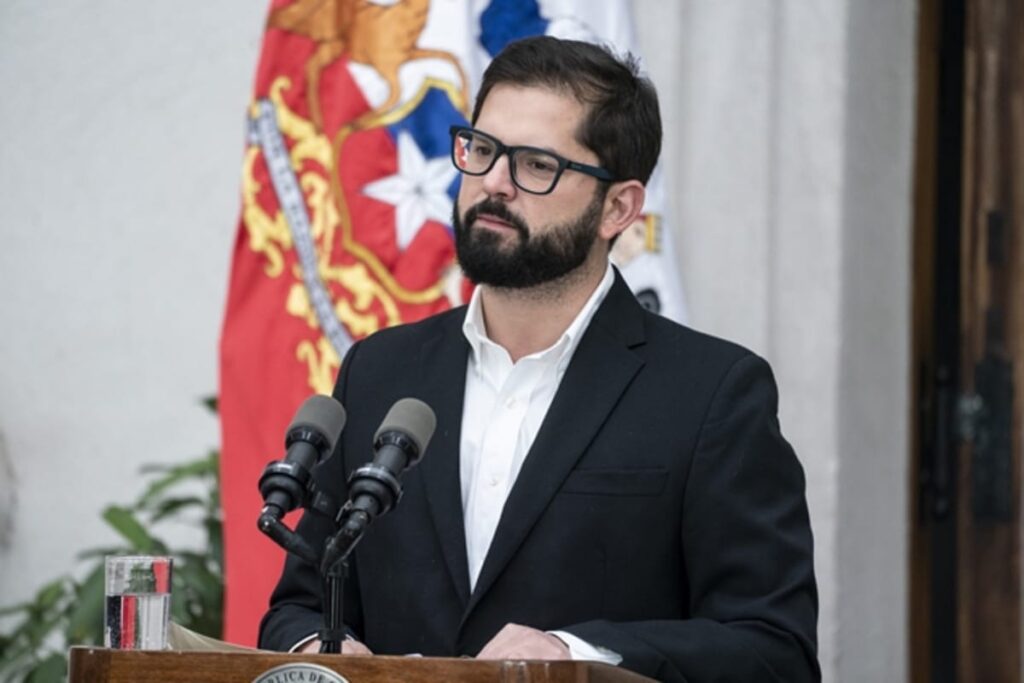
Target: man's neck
(525, 321)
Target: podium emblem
(300, 673)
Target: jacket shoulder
(409, 336)
(667, 337)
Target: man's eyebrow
(549, 150)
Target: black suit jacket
(659, 513)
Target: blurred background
(843, 187)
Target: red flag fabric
(318, 260)
(347, 191)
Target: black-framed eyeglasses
(532, 169)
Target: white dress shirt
(504, 406)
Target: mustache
(499, 211)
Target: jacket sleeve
(295, 610)
(747, 549)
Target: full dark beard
(533, 259)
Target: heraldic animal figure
(379, 36)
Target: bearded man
(603, 483)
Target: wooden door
(969, 342)
(992, 349)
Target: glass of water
(138, 605)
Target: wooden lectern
(98, 665)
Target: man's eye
(541, 164)
(483, 151)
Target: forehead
(536, 116)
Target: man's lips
(487, 220)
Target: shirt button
(493, 481)
(510, 402)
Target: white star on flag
(418, 191)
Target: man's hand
(522, 642)
(348, 647)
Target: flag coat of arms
(347, 195)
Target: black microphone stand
(373, 490)
(334, 569)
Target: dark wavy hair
(622, 124)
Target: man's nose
(498, 180)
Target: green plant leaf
(201, 596)
(16, 670)
(171, 506)
(53, 668)
(92, 553)
(173, 475)
(85, 618)
(215, 540)
(38, 630)
(199, 578)
(125, 523)
(15, 649)
(180, 609)
(215, 497)
(14, 609)
(51, 593)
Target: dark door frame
(968, 342)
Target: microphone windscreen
(322, 414)
(412, 417)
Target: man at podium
(603, 483)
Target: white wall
(788, 133)
(119, 163)
(875, 376)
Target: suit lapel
(598, 374)
(443, 359)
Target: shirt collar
(475, 331)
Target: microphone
(399, 444)
(285, 484)
(374, 488)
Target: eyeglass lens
(533, 170)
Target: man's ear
(622, 205)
